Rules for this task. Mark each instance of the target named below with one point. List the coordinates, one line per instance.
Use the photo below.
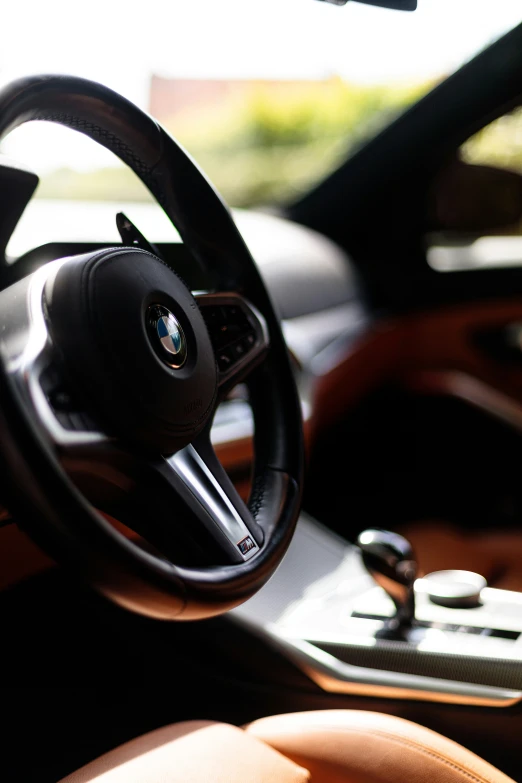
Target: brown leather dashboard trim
(439, 340)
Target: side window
(498, 144)
(478, 201)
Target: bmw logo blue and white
(171, 343)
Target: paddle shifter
(390, 560)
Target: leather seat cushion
(334, 746)
(192, 752)
(351, 746)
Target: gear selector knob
(389, 558)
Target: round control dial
(454, 589)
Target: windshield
(267, 96)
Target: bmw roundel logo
(168, 336)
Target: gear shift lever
(390, 560)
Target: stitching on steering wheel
(117, 144)
(114, 143)
(258, 496)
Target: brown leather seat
(334, 746)
(496, 555)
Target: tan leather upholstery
(497, 555)
(193, 752)
(335, 746)
(349, 746)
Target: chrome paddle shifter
(389, 558)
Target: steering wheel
(111, 370)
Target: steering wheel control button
(239, 349)
(165, 329)
(233, 329)
(454, 589)
(225, 361)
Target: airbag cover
(99, 307)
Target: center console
(337, 621)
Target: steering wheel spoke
(38, 373)
(184, 505)
(62, 410)
(200, 482)
(238, 334)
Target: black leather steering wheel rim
(37, 490)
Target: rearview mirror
(397, 5)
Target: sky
(122, 43)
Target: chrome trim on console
(309, 601)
